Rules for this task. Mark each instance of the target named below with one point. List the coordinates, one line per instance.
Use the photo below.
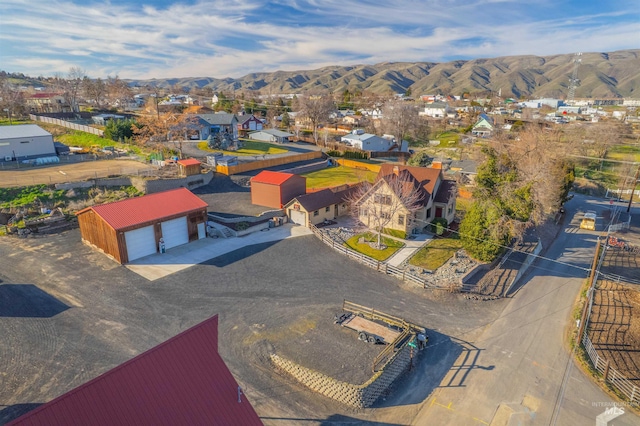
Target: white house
(368, 142)
(436, 110)
(271, 135)
(25, 141)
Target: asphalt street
(523, 373)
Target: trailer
(368, 331)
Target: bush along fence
(74, 126)
(601, 365)
(379, 266)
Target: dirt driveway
(91, 315)
(62, 173)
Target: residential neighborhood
(177, 255)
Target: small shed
(189, 167)
(275, 189)
(133, 228)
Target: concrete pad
(160, 265)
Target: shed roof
(189, 162)
(181, 381)
(272, 178)
(22, 131)
(148, 208)
(274, 132)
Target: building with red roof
(136, 227)
(189, 167)
(183, 381)
(275, 189)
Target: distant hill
(602, 75)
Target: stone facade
(359, 396)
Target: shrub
(438, 225)
(334, 153)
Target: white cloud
(192, 40)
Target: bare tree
(70, 86)
(120, 92)
(95, 90)
(391, 198)
(12, 100)
(399, 118)
(316, 107)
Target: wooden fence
(270, 162)
(379, 266)
(68, 124)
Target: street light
(8, 111)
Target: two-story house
(248, 123)
(437, 198)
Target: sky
(143, 39)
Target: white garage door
(298, 217)
(175, 232)
(140, 242)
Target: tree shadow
(445, 362)
(12, 412)
(28, 301)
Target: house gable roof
(445, 192)
(148, 208)
(219, 119)
(181, 381)
(313, 201)
(272, 178)
(426, 178)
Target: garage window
(326, 209)
(316, 213)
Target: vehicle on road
(589, 221)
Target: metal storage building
(133, 228)
(25, 141)
(275, 189)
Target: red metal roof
(273, 178)
(182, 381)
(148, 208)
(189, 162)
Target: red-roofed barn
(275, 189)
(133, 228)
(182, 381)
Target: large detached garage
(137, 227)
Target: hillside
(615, 74)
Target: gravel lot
(81, 314)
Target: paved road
(519, 370)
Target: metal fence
(379, 266)
(68, 124)
(600, 364)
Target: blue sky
(231, 38)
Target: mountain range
(600, 75)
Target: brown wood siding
(97, 232)
(265, 194)
(291, 188)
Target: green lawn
(392, 246)
(436, 253)
(249, 148)
(335, 176)
(624, 153)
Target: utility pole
(633, 190)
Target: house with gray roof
(220, 122)
(271, 135)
